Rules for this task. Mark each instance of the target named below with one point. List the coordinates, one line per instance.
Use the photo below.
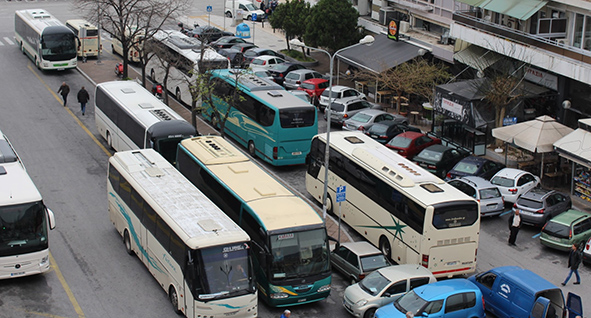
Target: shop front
(576, 147)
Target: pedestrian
(409, 314)
(263, 7)
(286, 314)
(64, 90)
(574, 259)
(83, 98)
(514, 226)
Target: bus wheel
(153, 75)
(228, 14)
(385, 247)
(369, 313)
(177, 95)
(37, 63)
(23, 48)
(109, 140)
(174, 299)
(251, 148)
(329, 204)
(127, 242)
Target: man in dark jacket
(514, 226)
(64, 90)
(83, 98)
(574, 260)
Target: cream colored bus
(88, 35)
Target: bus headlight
(279, 295)
(44, 260)
(324, 288)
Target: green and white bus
(196, 253)
(291, 254)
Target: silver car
(488, 195)
(366, 118)
(346, 108)
(294, 78)
(538, 206)
(383, 287)
(357, 259)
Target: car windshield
(370, 263)
(400, 142)
(374, 283)
(489, 193)
(556, 230)
(410, 302)
(502, 181)
(466, 167)
(361, 117)
(430, 155)
(529, 203)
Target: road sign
(209, 9)
(341, 193)
(254, 17)
(508, 121)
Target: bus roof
(189, 47)
(188, 212)
(80, 22)
(40, 19)
(276, 206)
(404, 174)
(16, 186)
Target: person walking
(574, 260)
(64, 90)
(514, 226)
(286, 314)
(83, 98)
(409, 314)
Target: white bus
(133, 54)
(196, 253)
(129, 117)
(24, 219)
(47, 41)
(88, 35)
(411, 215)
(183, 55)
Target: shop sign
(541, 78)
(508, 121)
(451, 106)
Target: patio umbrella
(536, 135)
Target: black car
(278, 71)
(386, 130)
(439, 159)
(236, 58)
(226, 42)
(208, 33)
(256, 52)
(243, 47)
(475, 166)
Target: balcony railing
(468, 19)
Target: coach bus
(199, 256)
(181, 54)
(129, 117)
(47, 41)
(88, 35)
(24, 220)
(410, 214)
(290, 247)
(137, 44)
(271, 122)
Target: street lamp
(367, 40)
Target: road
(91, 274)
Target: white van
(247, 9)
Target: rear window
(466, 167)
(400, 142)
(372, 262)
(323, 85)
(490, 193)
(529, 203)
(307, 86)
(280, 68)
(362, 118)
(556, 230)
(429, 155)
(455, 214)
(258, 62)
(502, 181)
(337, 107)
(334, 94)
(297, 117)
(293, 76)
(378, 129)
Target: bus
(269, 121)
(195, 252)
(410, 214)
(133, 54)
(182, 55)
(289, 239)
(47, 41)
(24, 220)
(88, 35)
(129, 117)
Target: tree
(232, 95)
(332, 24)
(289, 16)
(500, 93)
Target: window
(487, 279)
(454, 303)
(351, 258)
(396, 288)
(420, 281)
(434, 307)
(526, 178)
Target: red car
(314, 87)
(410, 143)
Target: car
(587, 252)
(262, 72)
(347, 108)
(567, 228)
(475, 166)
(303, 95)
(266, 61)
(537, 206)
(385, 130)
(226, 42)
(234, 56)
(314, 87)
(257, 51)
(293, 79)
(488, 196)
(366, 118)
(452, 298)
(208, 33)
(384, 286)
(439, 159)
(279, 71)
(339, 92)
(409, 143)
(243, 47)
(357, 259)
(514, 182)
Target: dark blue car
(475, 166)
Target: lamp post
(367, 40)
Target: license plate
(554, 238)
(17, 274)
(302, 300)
(374, 136)
(423, 165)
(61, 69)
(451, 263)
(492, 207)
(296, 153)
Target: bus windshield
(22, 229)
(299, 254)
(297, 117)
(59, 46)
(167, 147)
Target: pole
(98, 10)
(339, 235)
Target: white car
(587, 253)
(339, 92)
(514, 182)
(266, 61)
(383, 287)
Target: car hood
(354, 293)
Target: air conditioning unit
(562, 41)
(386, 14)
(404, 26)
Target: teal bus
(269, 121)
(289, 240)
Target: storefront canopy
(477, 57)
(535, 135)
(576, 146)
(519, 9)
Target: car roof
(339, 88)
(442, 289)
(479, 182)
(266, 57)
(511, 173)
(410, 134)
(537, 193)
(569, 216)
(438, 148)
(303, 70)
(525, 278)
(361, 248)
(475, 159)
(315, 80)
(397, 272)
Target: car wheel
(249, 18)
(369, 313)
(127, 242)
(385, 247)
(352, 281)
(228, 14)
(251, 148)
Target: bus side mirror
(263, 257)
(51, 218)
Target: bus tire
(37, 63)
(177, 95)
(369, 313)
(23, 49)
(109, 140)
(127, 242)
(174, 299)
(385, 247)
(251, 148)
(153, 75)
(228, 14)
(328, 204)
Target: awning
(477, 57)
(519, 9)
(576, 146)
(382, 55)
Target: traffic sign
(341, 193)
(254, 17)
(209, 9)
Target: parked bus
(133, 54)
(182, 55)
(47, 41)
(272, 123)
(411, 215)
(24, 219)
(88, 35)
(196, 253)
(290, 247)
(129, 117)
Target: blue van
(452, 298)
(511, 291)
